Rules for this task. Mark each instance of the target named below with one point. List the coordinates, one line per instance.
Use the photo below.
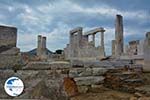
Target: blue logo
(14, 86)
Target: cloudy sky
(54, 19)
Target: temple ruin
(81, 67)
(80, 47)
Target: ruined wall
(9, 53)
(140, 47)
(8, 36)
(133, 47)
(80, 47)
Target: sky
(55, 18)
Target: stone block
(79, 72)
(99, 71)
(89, 80)
(12, 51)
(8, 36)
(9, 61)
(47, 65)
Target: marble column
(113, 47)
(93, 40)
(147, 53)
(102, 40)
(119, 35)
(39, 45)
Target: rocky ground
(108, 94)
(103, 93)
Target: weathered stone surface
(86, 72)
(80, 72)
(12, 51)
(74, 72)
(144, 89)
(9, 61)
(89, 80)
(99, 71)
(83, 89)
(77, 72)
(8, 36)
(99, 64)
(47, 65)
(39, 84)
(124, 79)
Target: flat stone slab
(91, 80)
(99, 71)
(46, 65)
(78, 72)
(81, 72)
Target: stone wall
(39, 84)
(64, 79)
(8, 36)
(9, 53)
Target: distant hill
(34, 52)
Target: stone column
(43, 48)
(39, 44)
(44, 42)
(113, 47)
(140, 47)
(119, 35)
(93, 40)
(70, 53)
(126, 48)
(79, 37)
(147, 53)
(102, 40)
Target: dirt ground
(104, 95)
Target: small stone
(138, 94)
(144, 98)
(133, 98)
(83, 89)
(86, 72)
(74, 72)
